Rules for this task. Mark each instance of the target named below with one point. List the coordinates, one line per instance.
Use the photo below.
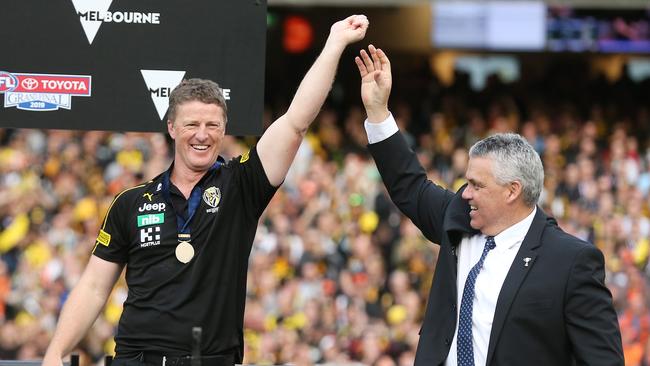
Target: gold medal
(184, 252)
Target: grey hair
(514, 160)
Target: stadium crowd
(337, 275)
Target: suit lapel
(523, 262)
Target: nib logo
(86, 9)
(160, 84)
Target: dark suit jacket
(555, 311)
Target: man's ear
(515, 190)
(170, 129)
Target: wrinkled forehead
(197, 110)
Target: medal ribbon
(183, 225)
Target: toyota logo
(29, 83)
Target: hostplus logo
(93, 13)
(149, 236)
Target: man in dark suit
(510, 287)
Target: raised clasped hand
(349, 30)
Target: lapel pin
(527, 260)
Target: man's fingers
(351, 18)
(357, 22)
(375, 58)
(361, 21)
(367, 61)
(372, 60)
(360, 65)
(385, 62)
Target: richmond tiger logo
(212, 196)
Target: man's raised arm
(278, 146)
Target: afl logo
(212, 196)
(8, 82)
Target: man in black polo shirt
(186, 235)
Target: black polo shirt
(167, 298)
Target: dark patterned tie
(464, 345)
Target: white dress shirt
(490, 279)
(381, 131)
(488, 283)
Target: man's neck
(185, 179)
(517, 215)
(520, 214)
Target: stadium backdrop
(111, 64)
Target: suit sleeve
(591, 321)
(416, 196)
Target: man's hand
(376, 82)
(348, 30)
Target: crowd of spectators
(337, 275)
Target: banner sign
(111, 64)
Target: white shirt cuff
(378, 132)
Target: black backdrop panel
(110, 64)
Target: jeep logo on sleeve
(152, 207)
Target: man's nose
(202, 132)
(466, 193)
